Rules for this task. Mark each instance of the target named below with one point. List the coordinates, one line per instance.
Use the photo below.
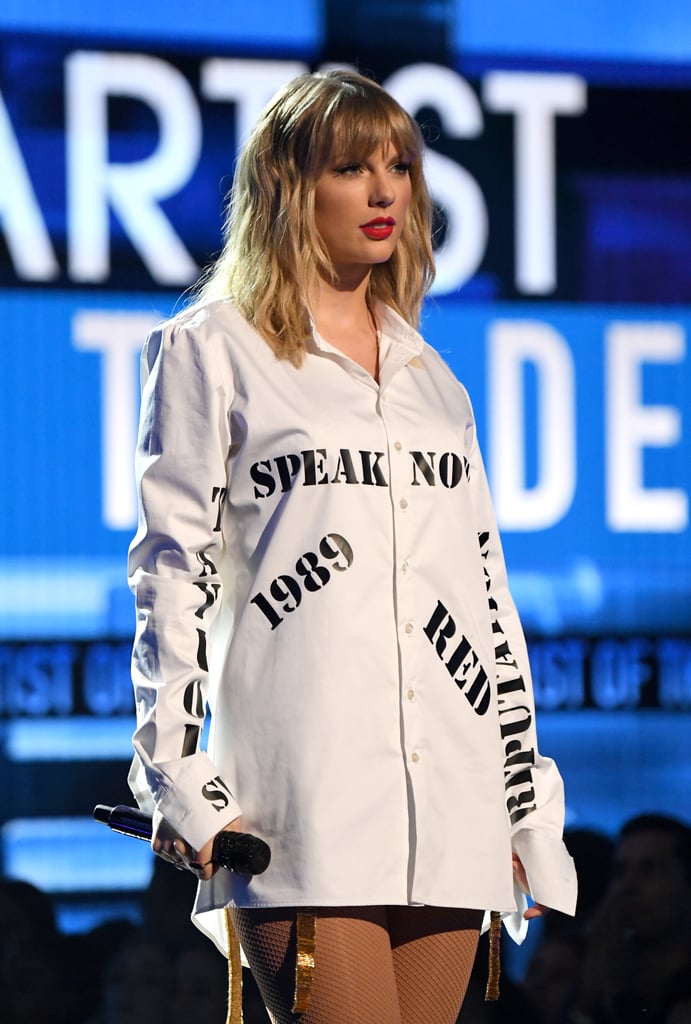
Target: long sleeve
(533, 785)
(181, 467)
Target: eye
(402, 166)
(346, 170)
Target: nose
(382, 192)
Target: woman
(317, 556)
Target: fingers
(536, 910)
(202, 864)
(171, 847)
(203, 871)
(519, 873)
(174, 851)
(521, 878)
(181, 855)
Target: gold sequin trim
(494, 966)
(234, 973)
(306, 925)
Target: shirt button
(410, 694)
(403, 503)
(397, 445)
(404, 567)
(415, 757)
(409, 627)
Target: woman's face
(360, 208)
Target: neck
(344, 301)
(343, 318)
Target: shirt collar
(402, 344)
(399, 331)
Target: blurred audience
(37, 976)
(137, 983)
(637, 963)
(625, 957)
(160, 972)
(552, 976)
(26, 915)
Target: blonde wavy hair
(272, 252)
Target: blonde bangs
(355, 125)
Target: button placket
(403, 521)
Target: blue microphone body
(237, 851)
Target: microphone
(237, 851)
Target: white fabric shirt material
(317, 557)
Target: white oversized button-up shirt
(317, 557)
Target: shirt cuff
(549, 869)
(194, 800)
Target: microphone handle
(128, 821)
(237, 851)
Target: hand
(170, 846)
(521, 880)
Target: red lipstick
(379, 228)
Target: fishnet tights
(374, 965)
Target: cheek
(318, 212)
(322, 203)
(406, 197)
(328, 211)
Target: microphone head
(241, 852)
